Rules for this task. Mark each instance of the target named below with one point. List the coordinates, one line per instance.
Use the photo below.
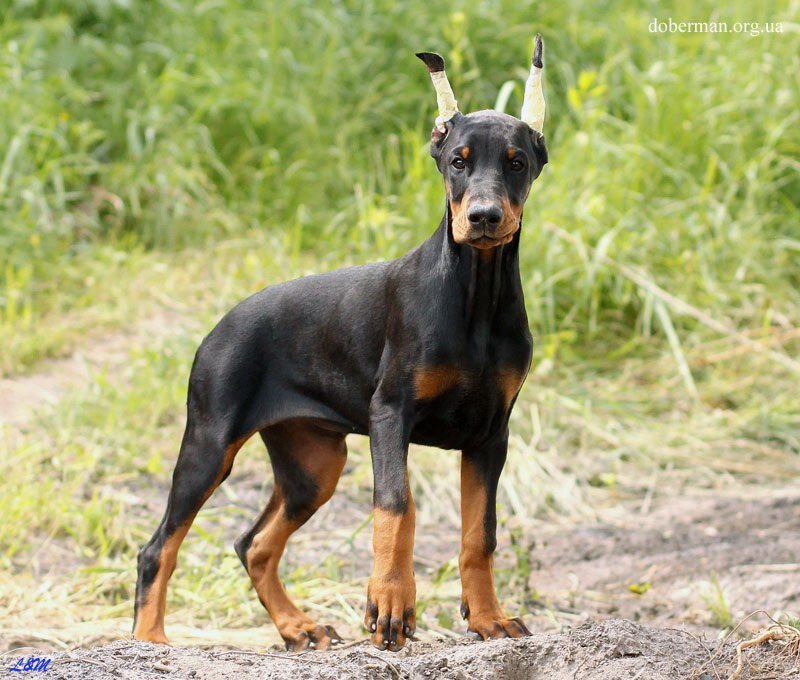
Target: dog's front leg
(391, 594)
(480, 473)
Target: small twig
(775, 631)
(721, 645)
(348, 645)
(80, 659)
(389, 664)
(126, 645)
(297, 656)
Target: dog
(431, 348)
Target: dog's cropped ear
(539, 151)
(437, 141)
(440, 133)
(445, 100)
(533, 104)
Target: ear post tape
(445, 99)
(533, 105)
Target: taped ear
(439, 135)
(539, 150)
(533, 105)
(445, 99)
(437, 141)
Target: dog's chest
(456, 407)
(458, 385)
(461, 400)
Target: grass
(160, 161)
(719, 606)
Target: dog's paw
(390, 616)
(493, 626)
(312, 636)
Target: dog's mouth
(486, 242)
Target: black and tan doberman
(431, 348)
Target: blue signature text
(39, 664)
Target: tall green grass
(165, 125)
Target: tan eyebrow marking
(511, 152)
(464, 153)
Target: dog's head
(488, 159)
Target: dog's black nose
(488, 214)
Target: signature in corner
(40, 664)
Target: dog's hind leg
(307, 461)
(205, 460)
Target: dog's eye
(458, 163)
(517, 164)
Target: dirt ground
(751, 545)
(607, 650)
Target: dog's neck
(488, 280)
(479, 273)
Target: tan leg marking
(392, 591)
(149, 625)
(322, 458)
(478, 598)
(150, 617)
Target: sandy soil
(608, 650)
(752, 545)
(22, 395)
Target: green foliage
(163, 125)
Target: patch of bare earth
(678, 555)
(607, 650)
(23, 395)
